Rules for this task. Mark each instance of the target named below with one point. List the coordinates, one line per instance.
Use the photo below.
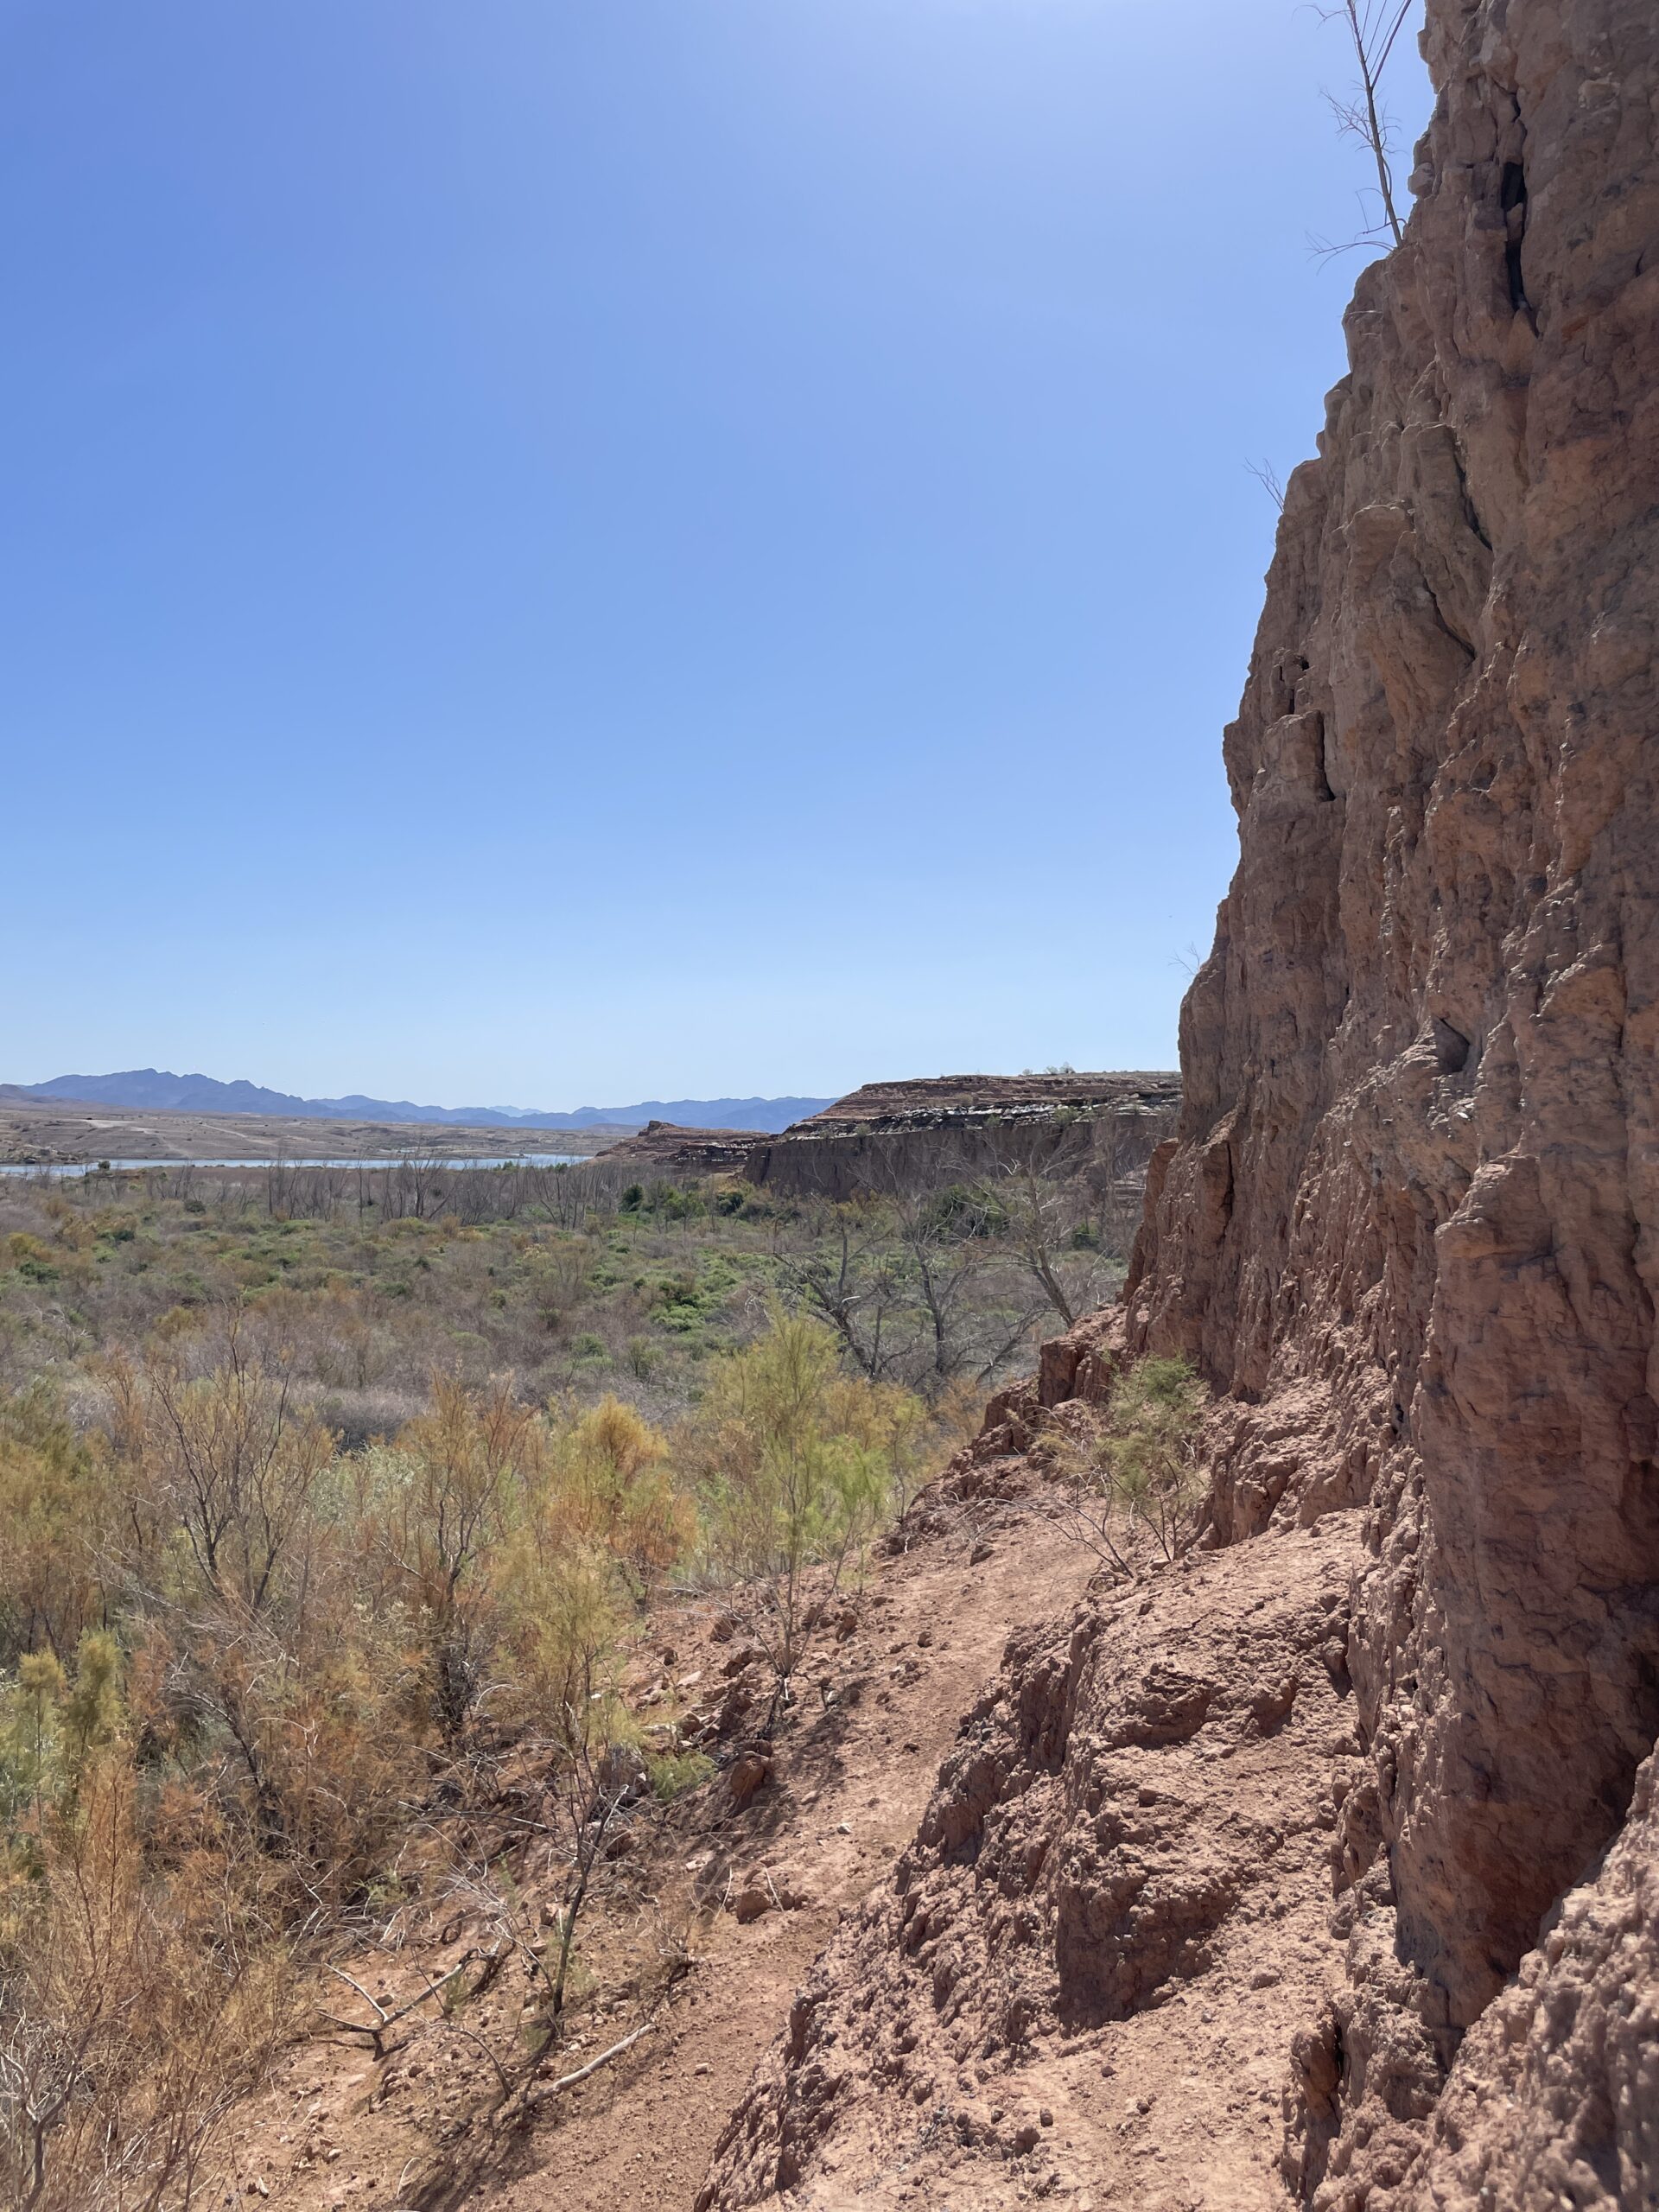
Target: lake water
(90, 1167)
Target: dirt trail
(1087, 1980)
(880, 1705)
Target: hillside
(926, 1133)
(626, 1688)
(1408, 1232)
(666, 1148)
(771, 1871)
(65, 1135)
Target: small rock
(744, 1776)
(1265, 1977)
(1046, 2117)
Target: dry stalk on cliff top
(1374, 28)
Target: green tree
(784, 1485)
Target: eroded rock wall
(910, 1137)
(1416, 1188)
(1555, 2096)
(1408, 1228)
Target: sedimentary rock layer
(1417, 1179)
(666, 1148)
(921, 1136)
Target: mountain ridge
(161, 1091)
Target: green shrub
(1139, 1464)
(673, 1773)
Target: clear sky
(569, 550)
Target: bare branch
(1374, 27)
(1268, 477)
(376, 2029)
(569, 2081)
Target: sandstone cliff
(920, 1134)
(1408, 1228)
(667, 1149)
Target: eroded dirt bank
(1082, 1979)
(1409, 1232)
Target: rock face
(1555, 2097)
(1409, 1226)
(1417, 1179)
(666, 1148)
(1414, 1200)
(940, 1129)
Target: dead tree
(1374, 28)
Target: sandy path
(851, 1779)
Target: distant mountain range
(157, 1090)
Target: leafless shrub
(132, 2017)
(1268, 477)
(1374, 28)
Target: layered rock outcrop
(1409, 1226)
(667, 1148)
(920, 1135)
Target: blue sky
(557, 551)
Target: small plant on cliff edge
(1138, 1465)
(1374, 28)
